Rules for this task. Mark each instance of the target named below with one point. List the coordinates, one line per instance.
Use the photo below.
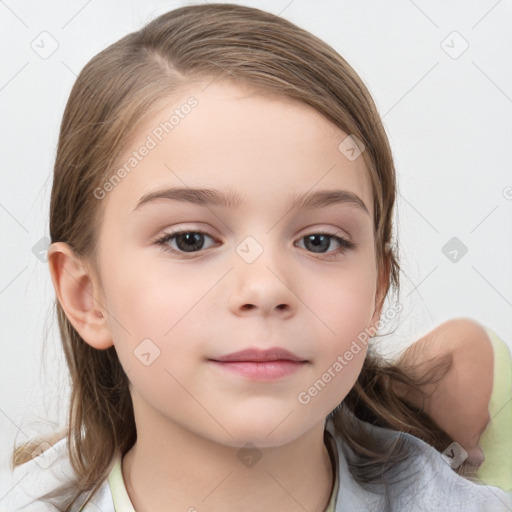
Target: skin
(192, 418)
(460, 402)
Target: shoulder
(436, 486)
(424, 482)
(46, 483)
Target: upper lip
(254, 354)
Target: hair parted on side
(126, 82)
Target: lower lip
(265, 371)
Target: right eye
(187, 241)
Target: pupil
(318, 241)
(192, 241)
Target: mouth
(261, 365)
(261, 371)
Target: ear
(80, 295)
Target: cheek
(160, 318)
(152, 302)
(344, 301)
(343, 307)
(150, 318)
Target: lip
(261, 370)
(261, 365)
(260, 356)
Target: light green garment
(496, 441)
(122, 502)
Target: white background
(448, 120)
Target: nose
(263, 287)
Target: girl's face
(258, 272)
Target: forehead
(220, 135)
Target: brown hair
(124, 83)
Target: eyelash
(345, 244)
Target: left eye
(319, 241)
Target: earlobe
(79, 294)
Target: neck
(170, 468)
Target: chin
(265, 433)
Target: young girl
(221, 221)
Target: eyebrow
(207, 196)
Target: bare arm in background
(459, 402)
